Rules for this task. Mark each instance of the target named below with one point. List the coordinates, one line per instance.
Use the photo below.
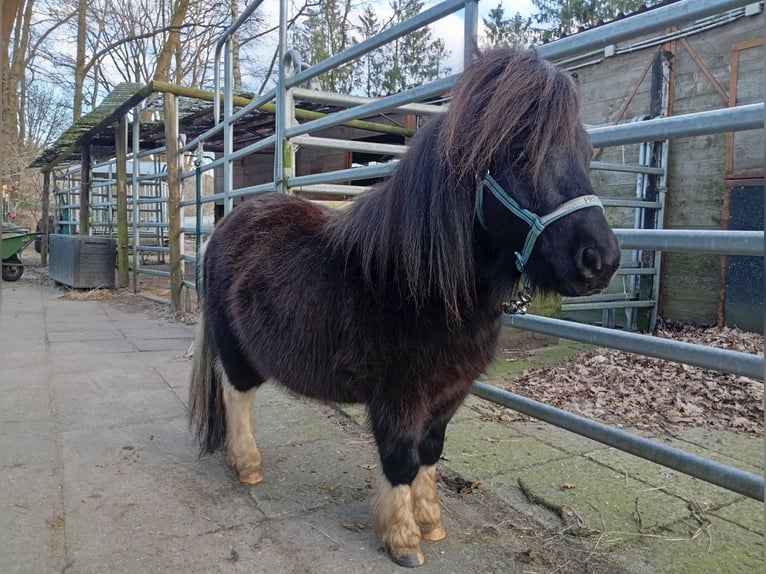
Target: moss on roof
(121, 99)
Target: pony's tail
(207, 416)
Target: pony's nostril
(589, 262)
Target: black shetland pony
(396, 301)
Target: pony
(396, 301)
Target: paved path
(98, 474)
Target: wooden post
(44, 226)
(121, 153)
(84, 228)
(174, 198)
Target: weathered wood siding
(691, 284)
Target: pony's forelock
(508, 96)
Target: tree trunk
(79, 69)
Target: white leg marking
(240, 443)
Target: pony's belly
(334, 389)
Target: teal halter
(536, 223)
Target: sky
(450, 28)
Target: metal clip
(519, 305)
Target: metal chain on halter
(520, 304)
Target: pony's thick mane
(414, 233)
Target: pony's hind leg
(241, 449)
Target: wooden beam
(121, 158)
(174, 198)
(241, 102)
(623, 108)
(705, 70)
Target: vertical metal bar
(44, 227)
(281, 101)
(198, 217)
(228, 127)
(135, 190)
(471, 27)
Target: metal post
(135, 191)
(281, 100)
(228, 127)
(198, 217)
(44, 227)
(471, 27)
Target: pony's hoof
(436, 533)
(251, 477)
(410, 560)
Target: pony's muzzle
(597, 266)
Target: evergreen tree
(563, 17)
(326, 31)
(374, 63)
(412, 60)
(500, 31)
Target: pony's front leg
(241, 449)
(425, 501)
(425, 504)
(393, 508)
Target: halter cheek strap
(536, 223)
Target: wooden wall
(699, 168)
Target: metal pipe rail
(724, 120)
(627, 168)
(707, 241)
(655, 20)
(348, 145)
(435, 88)
(731, 478)
(332, 189)
(723, 360)
(347, 101)
(351, 174)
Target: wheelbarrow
(14, 242)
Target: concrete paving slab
(29, 500)
(690, 489)
(91, 349)
(28, 442)
(592, 498)
(558, 438)
(480, 450)
(747, 513)
(747, 450)
(693, 548)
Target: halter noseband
(536, 223)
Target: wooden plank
(705, 70)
